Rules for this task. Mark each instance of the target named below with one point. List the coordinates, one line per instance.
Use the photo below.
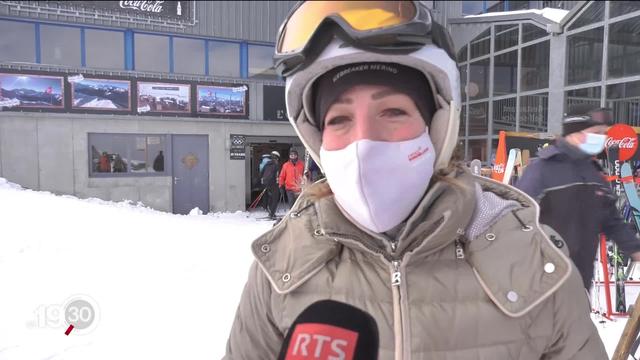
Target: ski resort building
(524, 63)
(172, 103)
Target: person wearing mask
(399, 228)
(291, 177)
(575, 200)
(269, 179)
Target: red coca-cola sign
(625, 138)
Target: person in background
(575, 200)
(158, 162)
(264, 160)
(290, 178)
(105, 163)
(269, 179)
(450, 265)
(313, 172)
(119, 165)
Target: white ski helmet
(433, 61)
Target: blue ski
(626, 177)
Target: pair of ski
(623, 174)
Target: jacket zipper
(396, 281)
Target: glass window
(497, 7)
(104, 49)
(462, 54)
(17, 48)
(472, 7)
(463, 122)
(478, 119)
(505, 73)
(535, 67)
(559, 4)
(624, 48)
(261, 62)
(624, 100)
(60, 45)
(518, 5)
(481, 45)
(504, 115)
(478, 86)
(584, 56)
(589, 95)
(506, 36)
(531, 32)
(533, 112)
(128, 154)
(463, 82)
(224, 59)
(617, 8)
(151, 52)
(188, 56)
(592, 14)
(478, 149)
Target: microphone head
(328, 330)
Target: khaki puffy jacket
(514, 294)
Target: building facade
(172, 103)
(523, 66)
(167, 103)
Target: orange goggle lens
(360, 15)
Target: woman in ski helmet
(451, 266)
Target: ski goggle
(382, 26)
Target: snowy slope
(164, 286)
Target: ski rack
(607, 280)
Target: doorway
(190, 158)
(258, 146)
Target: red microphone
(331, 330)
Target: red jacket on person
(291, 175)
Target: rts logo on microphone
(321, 341)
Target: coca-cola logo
(625, 138)
(624, 143)
(147, 6)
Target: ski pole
(257, 200)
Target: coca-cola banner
(625, 138)
(175, 10)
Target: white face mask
(593, 143)
(379, 183)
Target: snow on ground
(162, 286)
(165, 286)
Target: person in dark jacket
(158, 163)
(269, 178)
(575, 200)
